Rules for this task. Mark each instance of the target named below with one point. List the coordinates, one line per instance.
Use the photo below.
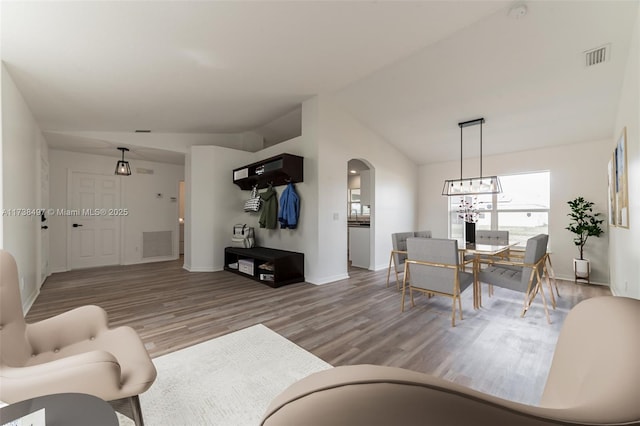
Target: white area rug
(227, 381)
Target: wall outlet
(336, 216)
(626, 286)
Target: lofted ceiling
(408, 70)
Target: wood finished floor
(353, 321)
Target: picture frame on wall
(621, 181)
(611, 174)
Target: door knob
(44, 227)
(75, 225)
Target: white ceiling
(408, 70)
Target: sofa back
(14, 347)
(596, 364)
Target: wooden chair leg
(404, 286)
(413, 303)
(136, 410)
(544, 302)
(453, 312)
(553, 274)
(389, 270)
(545, 274)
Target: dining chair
(492, 237)
(432, 268)
(399, 252)
(548, 273)
(523, 275)
(73, 352)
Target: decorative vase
(582, 269)
(470, 232)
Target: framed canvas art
(621, 181)
(611, 174)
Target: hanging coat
(269, 216)
(289, 208)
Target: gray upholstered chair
(581, 388)
(489, 238)
(422, 234)
(432, 268)
(524, 275)
(72, 352)
(399, 252)
(492, 237)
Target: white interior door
(95, 229)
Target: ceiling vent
(598, 55)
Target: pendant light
(122, 167)
(475, 185)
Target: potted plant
(584, 224)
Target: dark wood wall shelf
(278, 170)
(288, 266)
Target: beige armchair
(594, 380)
(72, 352)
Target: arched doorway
(360, 214)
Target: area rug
(226, 381)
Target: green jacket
(269, 216)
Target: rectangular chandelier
(472, 186)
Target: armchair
(580, 389)
(524, 276)
(72, 352)
(432, 268)
(399, 252)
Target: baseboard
(202, 268)
(326, 280)
(58, 270)
(571, 278)
(152, 260)
(30, 301)
(381, 267)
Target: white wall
(624, 244)
(393, 180)
(21, 145)
(330, 138)
(576, 170)
(213, 204)
(147, 212)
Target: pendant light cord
(481, 121)
(460, 152)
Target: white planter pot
(582, 268)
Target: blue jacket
(289, 208)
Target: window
(356, 209)
(522, 208)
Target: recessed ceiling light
(353, 172)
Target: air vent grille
(598, 55)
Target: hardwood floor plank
(352, 321)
